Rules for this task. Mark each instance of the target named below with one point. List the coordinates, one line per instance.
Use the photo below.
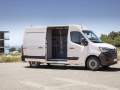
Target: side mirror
(84, 42)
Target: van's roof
(69, 25)
(74, 25)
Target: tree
(111, 38)
(116, 41)
(113, 35)
(104, 38)
(12, 49)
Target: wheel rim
(33, 63)
(93, 64)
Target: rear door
(35, 42)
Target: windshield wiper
(97, 42)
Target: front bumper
(107, 59)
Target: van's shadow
(58, 67)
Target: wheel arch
(90, 57)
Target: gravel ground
(19, 76)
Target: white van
(70, 44)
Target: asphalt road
(19, 76)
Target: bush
(12, 49)
(111, 38)
(119, 54)
(10, 58)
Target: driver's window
(76, 37)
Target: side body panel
(34, 44)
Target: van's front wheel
(93, 63)
(34, 64)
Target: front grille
(113, 53)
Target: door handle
(71, 48)
(40, 47)
(24, 47)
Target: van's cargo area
(57, 43)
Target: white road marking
(75, 82)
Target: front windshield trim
(91, 36)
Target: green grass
(10, 58)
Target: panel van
(66, 44)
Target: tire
(34, 64)
(104, 67)
(93, 63)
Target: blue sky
(101, 16)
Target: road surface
(19, 76)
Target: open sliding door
(57, 43)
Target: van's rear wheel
(93, 63)
(34, 64)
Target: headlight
(104, 49)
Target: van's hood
(105, 45)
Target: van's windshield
(91, 36)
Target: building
(4, 38)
